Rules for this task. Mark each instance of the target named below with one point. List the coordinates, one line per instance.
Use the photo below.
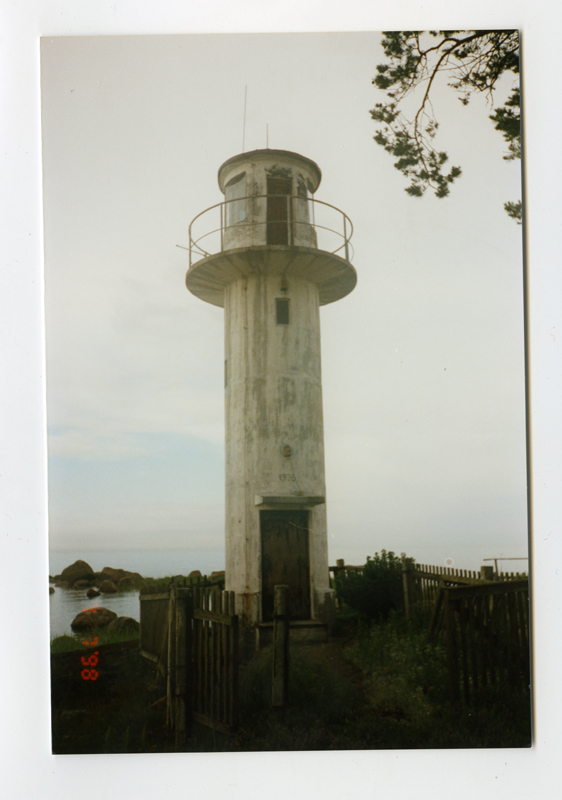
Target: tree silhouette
(473, 61)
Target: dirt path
(331, 655)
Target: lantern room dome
(270, 221)
(271, 161)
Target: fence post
(171, 676)
(280, 647)
(184, 612)
(233, 660)
(340, 567)
(408, 584)
(437, 613)
(452, 655)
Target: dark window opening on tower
(278, 210)
(282, 311)
(235, 202)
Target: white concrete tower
(266, 269)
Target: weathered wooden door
(278, 205)
(285, 561)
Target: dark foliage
(376, 591)
(473, 61)
(382, 689)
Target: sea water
(65, 604)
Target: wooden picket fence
(215, 659)
(486, 629)
(421, 583)
(154, 603)
(483, 617)
(154, 620)
(341, 568)
(191, 632)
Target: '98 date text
(89, 674)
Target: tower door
(285, 560)
(278, 210)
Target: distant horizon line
(125, 549)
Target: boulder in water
(93, 618)
(108, 573)
(124, 624)
(133, 581)
(80, 570)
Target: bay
(65, 604)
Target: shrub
(376, 591)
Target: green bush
(407, 688)
(376, 591)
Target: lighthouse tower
(265, 267)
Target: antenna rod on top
(244, 127)
(267, 137)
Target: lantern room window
(235, 202)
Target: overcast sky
(423, 364)
(29, 770)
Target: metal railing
(343, 232)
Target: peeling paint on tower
(271, 276)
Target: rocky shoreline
(80, 575)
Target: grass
(377, 686)
(324, 712)
(407, 687)
(113, 714)
(63, 644)
(394, 695)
